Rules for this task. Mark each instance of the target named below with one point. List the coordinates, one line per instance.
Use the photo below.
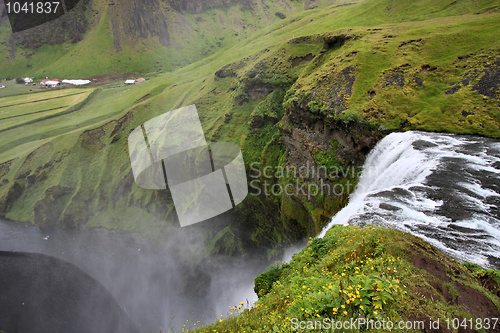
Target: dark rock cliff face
(67, 28)
(332, 152)
(138, 20)
(309, 134)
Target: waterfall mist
(159, 286)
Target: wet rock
(389, 207)
(422, 144)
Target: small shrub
(264, 282)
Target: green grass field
(20, 110)
(12, 89)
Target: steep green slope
(319, 88)
(376, 280)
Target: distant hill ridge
(136, 35)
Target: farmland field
(18, 110)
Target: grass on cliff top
(370, 273)
(402, 72)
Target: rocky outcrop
(332, 153)
(139, 20)
(14, 193)
(196, 7)
(306, 135)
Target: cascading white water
(443, 188)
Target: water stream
(441, 187)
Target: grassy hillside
(318, 87)
(134, 36)
(372, 274)
(130, 37)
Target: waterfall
(443, 188)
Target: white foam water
(440, 187)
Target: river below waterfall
(443, 188)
